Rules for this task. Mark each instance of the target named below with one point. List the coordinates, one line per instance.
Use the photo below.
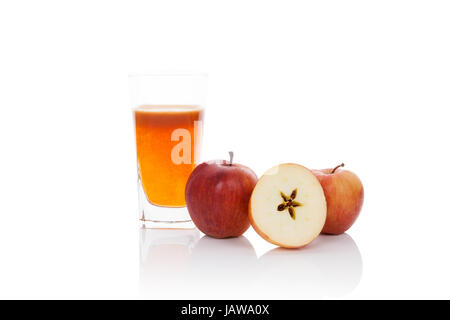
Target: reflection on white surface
(223, 268)
(177, 264)
(331, 266)
(164, 256)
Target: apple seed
(289, 203)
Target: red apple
(217, 195)
(345, 195)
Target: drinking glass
(168, 112)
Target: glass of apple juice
(168, 111)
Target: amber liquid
(167, 143)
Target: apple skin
(217, 196)
(344, 193)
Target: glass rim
(167, 74)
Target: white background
(312, 82)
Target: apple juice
(167, 145)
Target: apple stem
(231, 157)
(341, 165)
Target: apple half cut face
(288, 206)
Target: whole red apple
(217, 195)
(344, 193)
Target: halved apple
(288, 206)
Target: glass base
(150, 224)
(152, 216)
